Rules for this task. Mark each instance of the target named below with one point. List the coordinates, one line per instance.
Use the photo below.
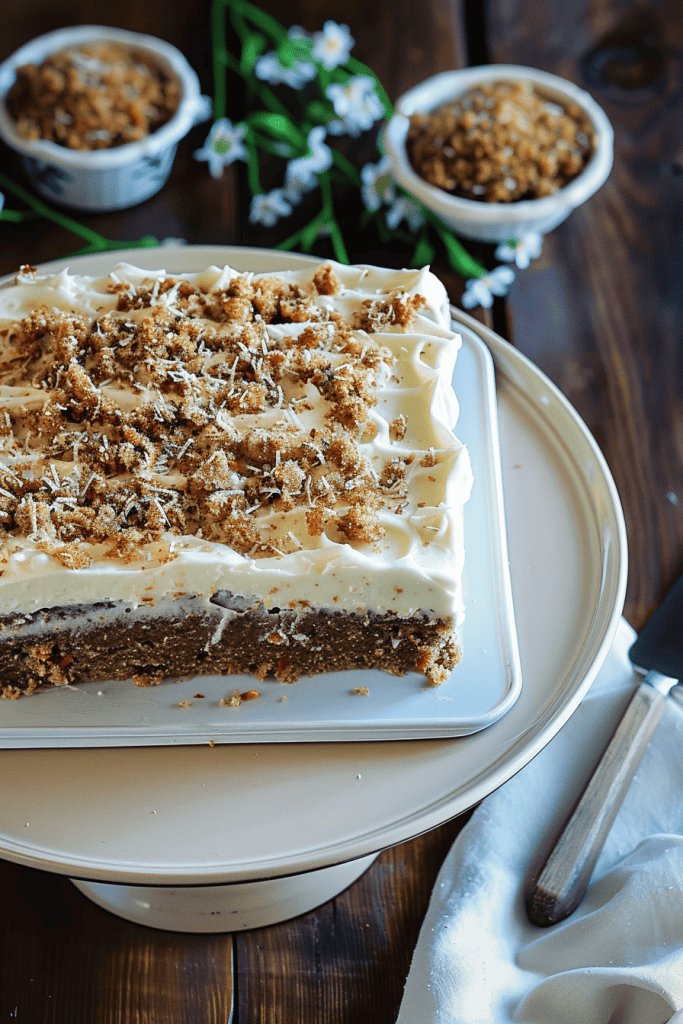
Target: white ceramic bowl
(103, 179)
(497, 222)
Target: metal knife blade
(658, 651)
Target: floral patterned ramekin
(103, 179)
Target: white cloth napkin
(619, 958)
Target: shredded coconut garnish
(147, 421)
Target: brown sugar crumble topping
(501, 143)
(238, 698)
(96, 96)
(177, 414)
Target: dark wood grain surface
(601, 312)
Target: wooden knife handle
(561, 885)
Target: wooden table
(601, 312)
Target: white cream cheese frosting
(308, 549)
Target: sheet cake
(222, 473)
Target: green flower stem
(340, 253)
(291, 242)
(253, 169)
(458, 257)
(17, 216)
(266, 95)
(109, 245)
(324, 220)
(269, 146)
(96, 242)
(222, 59)
(45, 211)
(265, 22)
(307, 235)
(346, 167)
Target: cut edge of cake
(220, 472)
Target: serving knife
(658, 652)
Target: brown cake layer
(114, 640)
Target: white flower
(333, 45)
(528, 248)
(405, 209)
(268, 207)
(223, 145)
(301, 173)
(479, 291)
(377, 185)
(356, 104)
(270, 68)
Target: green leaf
(457, 256)
(253, 47)
(319, 112)
(278, 126)
(424, 252)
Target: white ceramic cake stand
(238, 906)
(199, 838)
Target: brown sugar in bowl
(501, 211)
(86, 159)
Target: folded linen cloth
(619, 958)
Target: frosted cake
(216, 472)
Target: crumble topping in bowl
(95, 96)
(500, 143)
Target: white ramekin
(103, 179)
(497, 222)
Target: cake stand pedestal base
(235, 907)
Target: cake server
(658, 651)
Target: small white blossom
(333, 45)
(356, 104)
(268, 207)
(223, 145)
(405, 209)
(528, 248)
(270, 68)
(479, 291)
(377, 184)
(301, 173)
